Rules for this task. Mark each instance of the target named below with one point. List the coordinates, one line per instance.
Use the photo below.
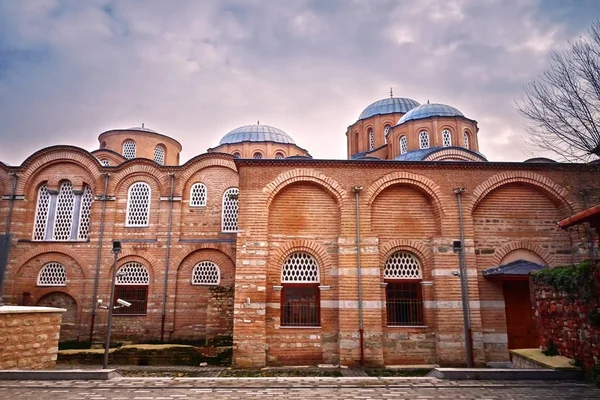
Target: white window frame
(105, 162)
(128, 210)
(208, 264)
(133, 149)
(204, 188)
(133, 264)
(466, 140)
(403, 144)
(160, 148)
(446, 138)
(47, 266)
(226, 194)
(371, 139)
(289, 264)
(386, 130)
(413, 260)
(424, 140)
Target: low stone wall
(29, 337)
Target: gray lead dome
(389, 106)
(256, 133)
(430, 110)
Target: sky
(196, 69)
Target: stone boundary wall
(29, 337)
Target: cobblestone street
(293, 388)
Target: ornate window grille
(129, 149)
(206, 273)
(198, 195)
(229, 218)
(257, 155)
(63, 217)
(424, 140)
(52, 274)
(371, 139)
(237, 155)
(403, 146)
(446, 138)
(466, 140)
(132, 286)
(386, 130)
(138, 204)
(404, 299)
(279, 156)
(42, 214)
(159, 154)
(105, 163)
(84, 214)
(300, 296)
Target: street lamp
(116, 249)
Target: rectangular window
(300, 305)
(404, 303)
(137, 295)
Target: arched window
(62, 216)
(198, 195)
(229, 218)
(257, 155)
(404, 297)
(206, 273)
(386, 130)
(403, 147)
(355, 142)
(159, 154)
(129, 149)
(132, 286)
(105, 163)
(446, 138)
(423, 140)
(300, 302)
(237, 155)
(52, 274)
(466, 139)
(279, 156)
(371, 139)
(138, 204)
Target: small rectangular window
(404, 303)
(300, 305)
(137, 295)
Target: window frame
(257, 155)
(446, 138)
(47, 266)
(371, 136)
(424, 135)
(138, 303)
(164, 154)
(205, 195)
(413, 309)
(213, 264)
(128, 206)
(237, 192)
(466, 140)
(134, 151)
(313, 320)
(403, 144)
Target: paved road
(293, 388)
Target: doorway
(520, 326)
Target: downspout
(357, 190)
(464, 287)
(5, 257)
(167, 258)
(99, 255)
(12, 202)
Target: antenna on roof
(392, 92)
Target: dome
(389, 106)
(430, 110)
(256, 133)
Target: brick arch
(192, 168)
(143, 257)
(453, 154)
(423, 253)
(308, 246)
(304, 175)
(522, 245)
(186, 252)
(129, 180)
(425, 184)
(44, 249)
(556, 192)
(147, 169)
(221, 259)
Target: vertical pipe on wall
(98, 256)
(167, 257)
(356, 190)
(12, 201)
(5, 240)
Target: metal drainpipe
(357, 190)
(167, 257)
(12, 202)
(99, 256)
(4, 262)
(464, 282)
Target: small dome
(256, 133)
(539, 160)
(389, 106)
(430, 110)
(142, 128)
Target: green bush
(551, 349)
(594, 375)
(575, 280)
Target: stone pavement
(293, 388)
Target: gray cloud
(195, 70)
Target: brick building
(257, 241)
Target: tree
(562, 107)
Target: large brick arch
(423, 253)
(522, 245)
(304, 175)
(308, 246)
(221, 259)
(42, 249)
(425, 184)
(145, 258)
(185, 252)
(553, 190)
(133, 172)
(193, 167)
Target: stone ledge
(29, 310)
(536, 357)
(59, 375)
(503, 374)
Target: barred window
(198, 195)
(257, 155)
(446, 138)
(300, 296)
(52, 274)
(403, 147)
(404, 298)
(466, 139)
(129, 149)
(138, 204)
(105, 163)
(371, 139)
(132, 286)
(279, 156)
(62, 216)
(159, 154)
(229, 216)
(424, 140)
(206, 273)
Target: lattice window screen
(105, 163)
(300, 268)
(403, 147)
(466, 136)
(278, 156)
(371, 139)
(84, 214)
(230, 210)
(386, 130)
(52, 274)
(41, 214)
(424, 140)
(257, 155)
(138, 204)
(159, 154)
(237, 155)
(446, 138)
(129, 149)
(206, 273)
(133, 273)
(198, 195)
(63, 217)
(402, 265)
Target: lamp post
(116, 249)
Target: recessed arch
(304, 175)
(507, 248)
(313, 248)
(422, 252)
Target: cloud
(70, 70)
